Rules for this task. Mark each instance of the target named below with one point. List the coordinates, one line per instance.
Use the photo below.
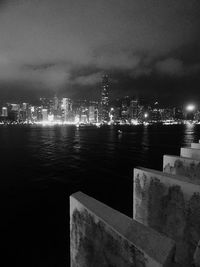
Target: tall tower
(104, 108)
(66, 107)
(134, 109)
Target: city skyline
(127, 110)
(148, 48)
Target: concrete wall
(103, 237)
(195, 145)
(182, 166)
(171, 205)
(190, 153)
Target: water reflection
(188, 136)
(65, 152)
(145, 138)
(76, 142)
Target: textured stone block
(197, 256)
(190, 153)
(195, 145)
(171, 205)
(101, 236)
(182, 166)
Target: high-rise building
(166, 114)
(39, 113)
(197, 115)
(55, 103)
(178, 113)
(23, 112)
(104, 105)
(13, 111)
(33, 113)
(125, 108)
(44, 114)
(44, 102)
(4, 112)
(15, 107)
(56, 106)
(134, 109)
(66, 107)
(91, 114)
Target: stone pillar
(171, 205)
(182, 166)
(190, 153)
(101, 236)
(197, 256)
(195, 145)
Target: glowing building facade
(66, 106)
(44, 114)
(4, 112)
(104, 105)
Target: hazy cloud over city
(148, 47)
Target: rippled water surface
(42, 166)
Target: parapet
(164, 231)
(189, 152)
(195, 145)
(102, 236)
(169, 204)
(182, 166)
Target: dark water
(42, 166)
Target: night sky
(150, 48)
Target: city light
(124, 111)
(190, 107)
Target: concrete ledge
(190, 153)
(102, 236)
(171, 205)
(195, 145)
(182, 166)
(197, 256)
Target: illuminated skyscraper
(4, 112)
(134, 109)
(91, 114)
(66, 106)
(104, 108)
(44, 114)
(55, 103)
(125, 108)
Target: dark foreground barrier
(164, 231)
(102, 236)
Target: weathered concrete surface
(182, 166)
(190, 153)
(197, 256)
(171, 205)
(103, 237)
(195, 145)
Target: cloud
(141, 71)
(112, 58)
(193, 69)
(170, 66)
(46, 41)
(90, 79)
(74, 30)
(49, 75)
(176, 67)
